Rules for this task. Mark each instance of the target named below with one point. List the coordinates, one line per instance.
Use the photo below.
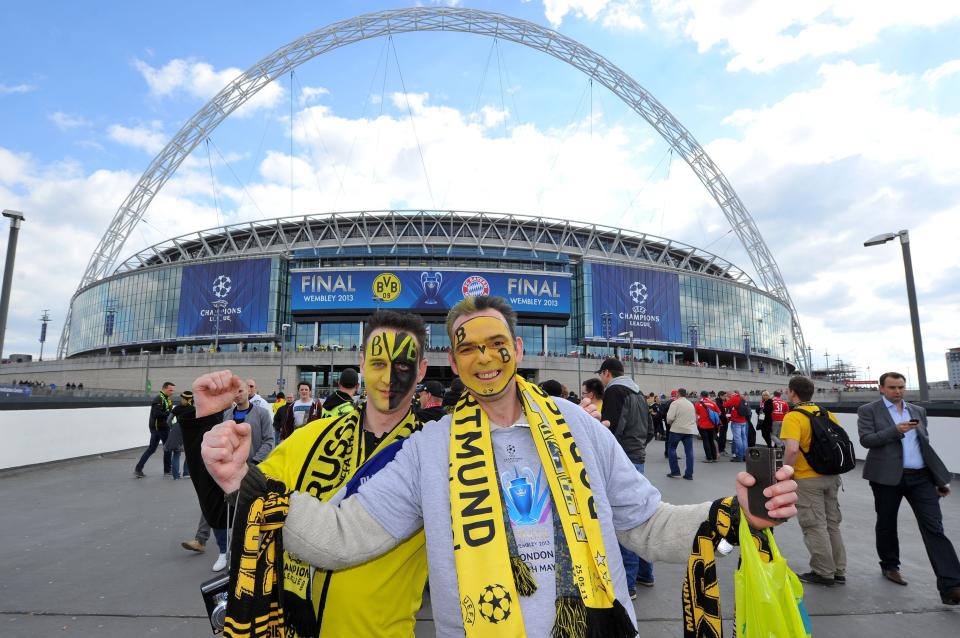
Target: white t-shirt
(417, 482)
(300, 411)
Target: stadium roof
(433, 233)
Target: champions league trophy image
(524, 496)
(520, 493)
(430, 281)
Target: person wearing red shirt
(708, 429)
(780, 409)
(738, 425)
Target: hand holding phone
(762, 464)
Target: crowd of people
(365, 494)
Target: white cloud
(624, 15)
(824, 169)
(933, 76)
(202, 80)
(311, 94)
(620, 14)
(760, 36)
(67, 121)
(11, 89)
(493, 117)
(151, 139)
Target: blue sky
(833, 120)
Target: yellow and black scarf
(490, 574)
(701, 588)
(270, 591)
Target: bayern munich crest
(475, 285)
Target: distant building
(953, 366)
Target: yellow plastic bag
(769, 594)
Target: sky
(834, 120)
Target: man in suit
(902, 464)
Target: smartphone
(762, 464)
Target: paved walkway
(89, 551)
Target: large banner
(230, 297)
(337, 290)
(645, 302)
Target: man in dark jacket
(159, 429)
(341, 401)
(900, 464)
(431, 398)
(625, 409)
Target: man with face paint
(520, 495)
(328, 458)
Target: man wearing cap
(430, 395)
(625, 409)
(341, 401)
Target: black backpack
(831, 451)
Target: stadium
(298, 285)
(579, 290)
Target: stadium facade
(579, 289)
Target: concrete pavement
(89, 551)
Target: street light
(283, 337)
(783, 346)
(629, 335)
(607, 328)
(746, 349)
(912, 299)
(694, 339)
(15, 218)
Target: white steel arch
(382, 23)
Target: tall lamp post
(629, 335)
(783, 348)
(44, 320)
(911, 298)
(283, 337)
(15, 218)
(607, 328)
(694, 342)
(746, 349)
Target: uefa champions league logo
(222, 286)
(638, 293)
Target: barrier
(33, 436)
(42, 436)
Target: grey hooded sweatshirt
(626, 409)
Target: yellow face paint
(485, 355)
(391, 361)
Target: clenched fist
(225, 450)
(214, 392)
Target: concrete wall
(944, 436)
(42, 436)
(130, 372)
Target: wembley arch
(458, 20)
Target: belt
(908, 470)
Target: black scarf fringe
(522, 577)
(609, 622)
